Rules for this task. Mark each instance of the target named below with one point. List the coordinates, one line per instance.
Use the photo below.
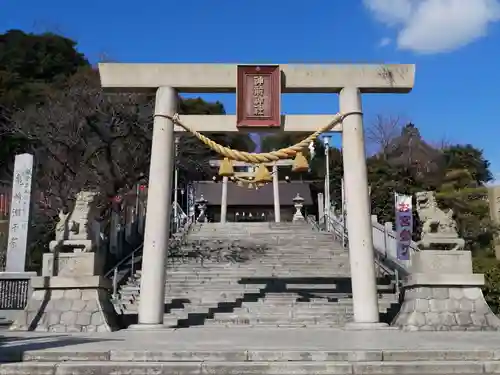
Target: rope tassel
(262, 175)
(300, 163)
(226, 168)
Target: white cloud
(384, 42)
(433, 26)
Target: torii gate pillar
(347, 80)
(276, 191)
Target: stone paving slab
(254, 344)
(249, 368)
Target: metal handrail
(384, 259)
(339, 231)
(129, 256)
(181, 223)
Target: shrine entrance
(258, 90)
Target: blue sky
(454, 43)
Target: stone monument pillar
(19, 220)
(71, 295)
(15, 281)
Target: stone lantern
(298, 203)
(202, 206)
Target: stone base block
(73, 264)
(355, 326)
(62, 304)
(442, 294)
(445, 308)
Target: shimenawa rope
(265, 157)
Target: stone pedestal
(80, 245)
(76, 300)
(65, 304)
(73, 264)
(442, 294)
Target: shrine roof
(243, 196)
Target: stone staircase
(264, 274)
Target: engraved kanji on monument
(19, 220)
(258, 95)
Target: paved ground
(244, 351)
(250, 339)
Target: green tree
(30, 65)
(385, 179)
(83, 138)
(470, 158)
(30, 62)
(317, 163)
(462, 189)
(462, 193)
(317, 168)
(51, 105)
(193, 161)
(279, 140)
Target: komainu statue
(75, 228)
(438, 227)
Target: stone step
(304, 311)
(202, 297)
(333, 319)
(317, 301)
(267, 273)
(130, 353)
(289, 251)
(303, 253)
(264, 264)
(238, 278)
(215, 291)
(245, 367)
(206, 300)
(234, 285)
(229, 284)
(191, 309)
(262, 268)
(298, 310)
(207, 288)
(269, 262)
(189, 255)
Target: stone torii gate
(258, 106)
(276, 190)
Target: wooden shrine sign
(258, 94)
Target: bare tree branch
(441, 144)
(383, 130)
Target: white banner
(404, 224)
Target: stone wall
(441, 308)
(61, 304)
(443, 294)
